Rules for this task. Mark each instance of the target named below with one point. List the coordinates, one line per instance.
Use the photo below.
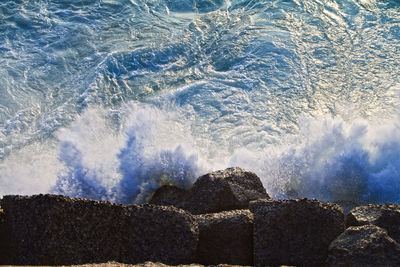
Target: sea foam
(124, 155)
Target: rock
(386, 216)
(366, 245)
(51, 230)
(168, 195)
(146, 264)
(3, 239)
(347, 205)
(157, 264)
(294, 232)
(159, 233)
(225, 237)
(57, 230)
(218, 191)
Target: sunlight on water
(111, 99)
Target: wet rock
(294, 232)
(225, 237)
(366, 245)
(347, 205)
(168, 195)
(57, 230)
(386, 216)
(218, 191)
(159, 233)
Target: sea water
(110, 99)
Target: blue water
(110, 99)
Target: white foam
(150, 147)
(124, 155)
(331, 159)
(30, 170)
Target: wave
(125, 159)
(332, 159)
(111, 100)
(124, 155)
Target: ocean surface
(110, 99)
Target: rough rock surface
(294, 232)
(385, 216)
(366, 245)
(168, 195)
(51, 230)
(146, 264)
(223, 190)
(3, 239)
(158, 233)
(157, 264)
(225, 237)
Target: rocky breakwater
(372, 238)
(220, 201)
(57, 230)
(227, 217)
(229, 189)
(294, 232)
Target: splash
(110, 101)
(332, 159)
(145, 150)
(124, 155)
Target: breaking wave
(111, 100)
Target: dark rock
(3, 239)
(168, 195)
(50, 230)
(385, 216)
(294, 232)
(57, 230)
(159, 233)
(157, 264)
(366, 245)
(347, 205)
(225, 237)
(218, 191)
(146, 264)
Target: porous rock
(57, 230)
(385, 216)
(168, 195)
(3, 239)
(157, 264)
(225, 237)
(294, 232)
(223, 190)
(146, 264)
(366, 245)
(159, 233)
(50, 230)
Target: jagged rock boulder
(386, 216)
(366, 245)
(223, 190)
(225, 237)
(57, 230)
(294, 232)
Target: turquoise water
(111, 99)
